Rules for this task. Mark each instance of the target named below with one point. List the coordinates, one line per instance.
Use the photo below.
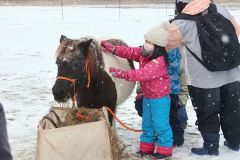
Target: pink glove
(117, 73)
(107, 47)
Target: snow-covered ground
(29, 37)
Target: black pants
(5, 153)
(223, 101)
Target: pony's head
(77, 64)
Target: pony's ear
(62, 38)
(83, 46)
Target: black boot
(210, 145)
(234, 148)
(178, 139)
(144, 155)
(159, 156)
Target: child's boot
(146, 150)
(163, 153)
(178, 137)
(158, 156)
(210, 145)
(141, 154)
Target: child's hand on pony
(117, 73)
(107, 47)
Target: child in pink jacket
(155, 83)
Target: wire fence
(93, 2)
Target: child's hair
(159, 51)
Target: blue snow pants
(155, 122)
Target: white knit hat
(158, 35)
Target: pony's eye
(61, 63)
(75, 66)
(58, 63)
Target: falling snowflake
(209, 95)
(225, 54)
(225, 39)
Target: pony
(83, 74)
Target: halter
(73, 81)
(88, 73)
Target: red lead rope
(124, 125)
(73, 81)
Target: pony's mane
(94, 57)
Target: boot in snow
(210, 145)
(205, 151)
(143, 155)
(159, 156)
(234, 148)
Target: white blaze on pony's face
(70, 49)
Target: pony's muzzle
(59, 93)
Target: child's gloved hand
(107, 47)
(117, 73)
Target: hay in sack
(65, 134)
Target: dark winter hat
(181, 4)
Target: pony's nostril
(58, 93)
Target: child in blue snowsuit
(179, 96)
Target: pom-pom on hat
(158, 35)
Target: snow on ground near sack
(29, 37)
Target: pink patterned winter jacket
(152, 74)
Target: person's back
(199, 75)
(214, 95)
(5, 152)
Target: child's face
(148, 46)
(147, 50)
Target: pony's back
(124, 88)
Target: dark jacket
(5, 151)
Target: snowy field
(29, 38)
